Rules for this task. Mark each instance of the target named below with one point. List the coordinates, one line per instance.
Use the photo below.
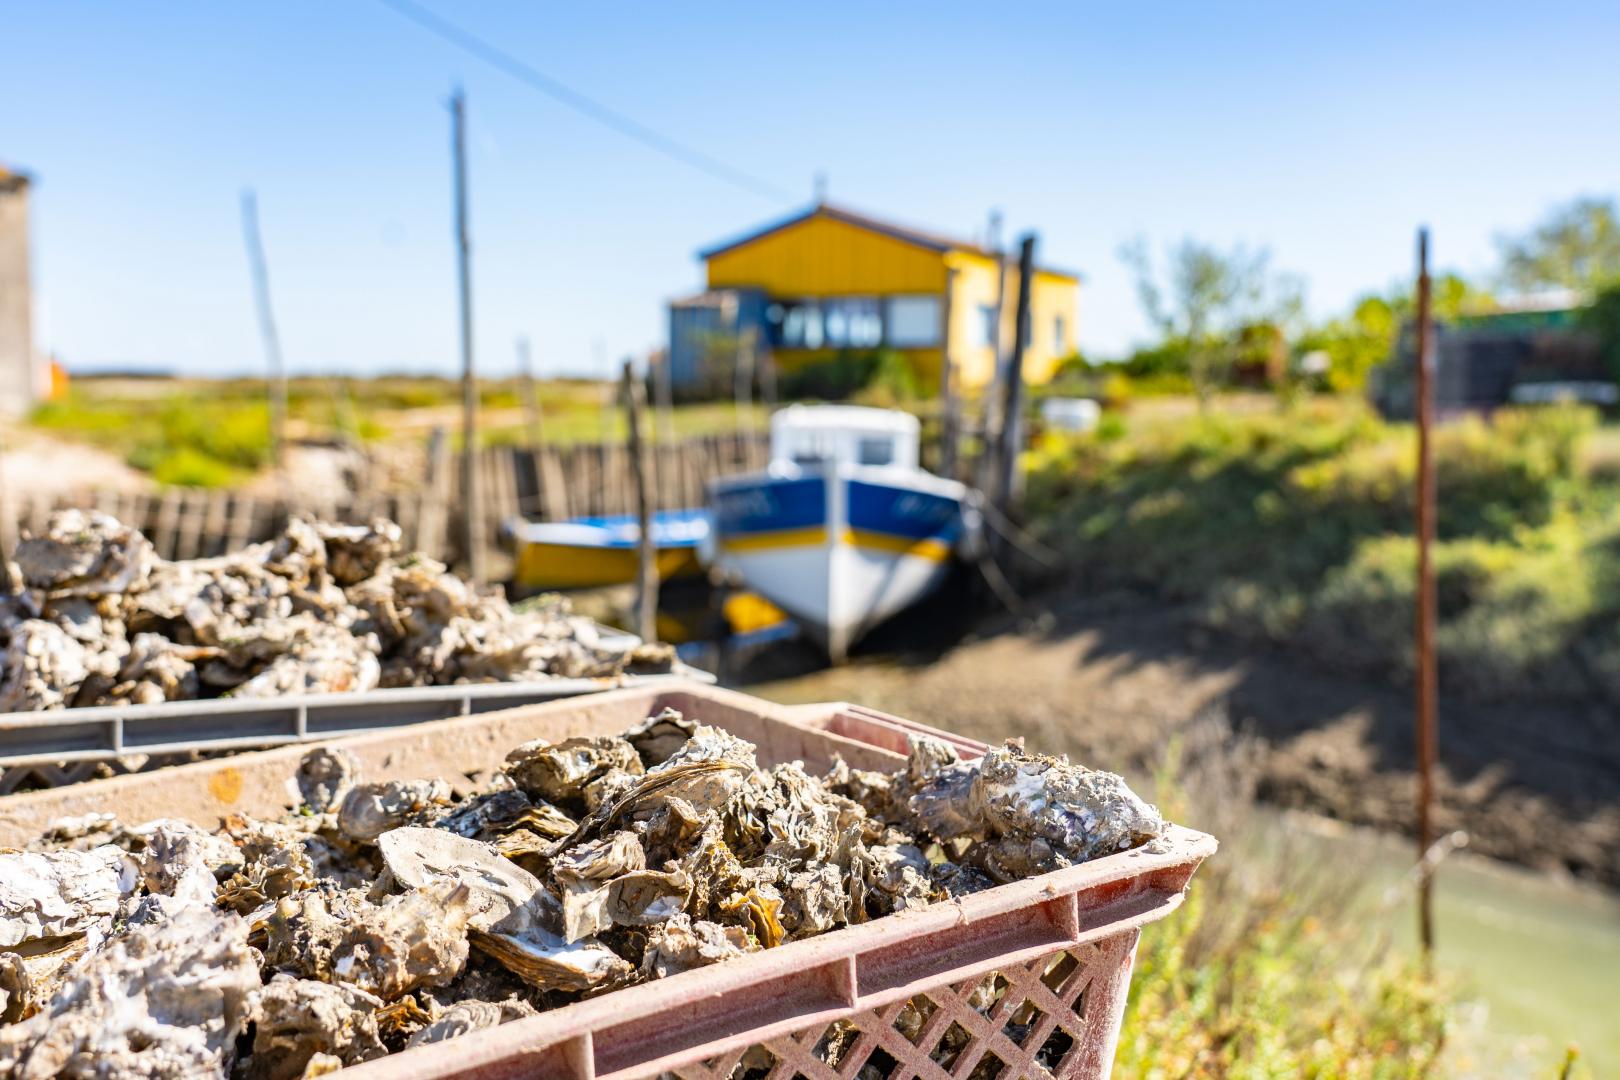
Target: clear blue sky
(1325, 134)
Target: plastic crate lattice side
(1047, 1018)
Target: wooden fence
(553, 483)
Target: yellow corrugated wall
(825, 257)
(1053, 295)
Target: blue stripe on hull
(904, 512)
(770, 506)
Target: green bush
(835, 378)
(1295, 527)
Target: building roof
(931, 241)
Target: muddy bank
(1113, 679)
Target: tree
(1365, 337)
(1576, 246)
(1207, 299)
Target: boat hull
(590, 553)
(839, 550)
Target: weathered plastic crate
(1027, 979)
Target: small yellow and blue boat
(593, 552)
(842, 529)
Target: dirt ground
(32, 463)
(1112, 680)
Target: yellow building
(828, 279)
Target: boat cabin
(844, 435)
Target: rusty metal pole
(1427, 686)
(472, 503)
(635, 404)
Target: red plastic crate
(1027, 979)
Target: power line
(602, 114)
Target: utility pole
(531, 396)
(1428, 739)
(471, 501)
(635, 404)
(1013, 380)
(276, 374)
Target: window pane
(852, 322)
(914, 321)
(1059, 336)
(875, 452)
(987, 325)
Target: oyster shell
(325, 776)
(416, 939)
(502, 896)
(468, 1016)
(559, 771)
(322, 608)
(546, 961)
(296, 1019)
(369, 810)
(167, 999)
(1083, 813)
(585, 871)
(683, 943)
(57, 893)
(84, 553)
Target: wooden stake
(664, 388)
(990, 402)
(1427, 672)
(635, 403)
(472, 507)
(744, 379)
(1013, 381)
(948, 391)
(276, 374)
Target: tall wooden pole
(989, 424)
(472, 503)
(747, 355)
(1428, 740)
(635, 404)
(531, 395)
(1013, 379)
(664, 404)
(276, 374)
(949, 391)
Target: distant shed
(1533, 351)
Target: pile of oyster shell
(101, 620)
(385, 915)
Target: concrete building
(20, 370)
(829, 280)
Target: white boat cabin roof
(849, 434)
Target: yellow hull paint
(815, 536)
(568, 566)
(927, 548)
(930, 549)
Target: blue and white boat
(842, 529)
